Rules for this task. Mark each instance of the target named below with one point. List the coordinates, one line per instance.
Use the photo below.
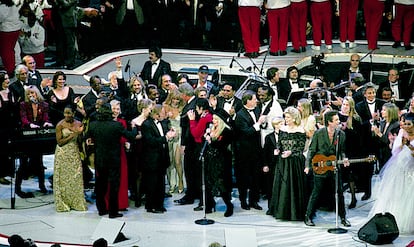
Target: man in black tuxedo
(281, 88)
(155, 137)
(155, 67)
(357, 87)
(228, 102)
(369, 110)
(188, 145)
(18, 87)
(400, 89)
(105, 134)
(164, 87)
(325, 142)
(34, 77)
(89, 99)
(248, 151)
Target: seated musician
(34, 115)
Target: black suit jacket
(236, 104)
(363, 110)
(269, 158)
(106, 136)
(248, 140)
(17, 90)
(163, 68)
(155, 146)
(403, 90)
(89, 102)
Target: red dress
(123, 180)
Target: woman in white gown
(395, 191)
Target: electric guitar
(322, 163)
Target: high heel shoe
(352, 204)
(229, 210)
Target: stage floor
(37, 219)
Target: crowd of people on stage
(154, 135)
(89, 28)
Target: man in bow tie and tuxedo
(400, 89)
(281, 88)
(369, 110)
(227, 101)
(155, 67)
(248, 150)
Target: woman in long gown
(397, 179)
(135, 168)
(172, 108)
(123, 203)
(68, 178)
(218, 167)
(351, 125)
(288, 198)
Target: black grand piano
(25, 142)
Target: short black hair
(156, 50)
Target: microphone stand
(265, 57)
(337, 229)
(204, 220)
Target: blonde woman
(308, 121)
(351, 125)
(171, 109)
(288, 197)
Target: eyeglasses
(32, 63)
(355, 60)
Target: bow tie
(371, 103)
(393, 84)
(154, 64)
(250, 110)
(229, 101)
(295, 82)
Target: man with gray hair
(188, 147)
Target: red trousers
(321, 14)
(403, 23)
(249, 18)
(7, 43)
(347, 19)
(298, 20)
(373, 10)
(278, 20)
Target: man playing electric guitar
(326, 141)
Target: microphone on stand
(127, 66)
(208, 130)
(231, 63)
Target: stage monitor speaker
(110, 230)
(380, 229)
(240, 237)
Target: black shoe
(116, 215)
(198, 208)
(273, 53)
(268, 212)
(282, 53)
(295, 51)
(303, 49)
(396, 44)
(167, 195)
(308, 221)
(408, 47)
(229, 210)
(255, 54)
(163, 209)
(22, 194)
(138, 203)
(44, 191)
(155, 211)
(244, 206)
(184, 201)
(345, 222)
(102, 213)
(366, 196)
(352, 204)
(255, 206)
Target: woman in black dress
(218, 165)
(288, 198)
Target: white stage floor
(37, 219)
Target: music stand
(294, 96)
(337, 229)
(204, 220)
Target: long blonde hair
(352, 114)
(221, 125)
